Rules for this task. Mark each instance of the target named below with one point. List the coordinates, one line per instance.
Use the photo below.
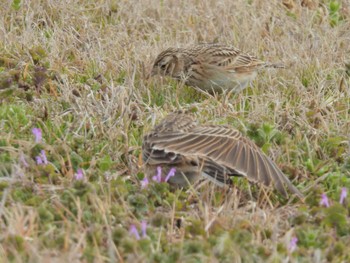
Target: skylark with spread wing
(210, 67)
(213, 151)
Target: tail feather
(274, 65)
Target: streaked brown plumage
(210, 67)
(216, 152)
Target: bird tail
(274, 65)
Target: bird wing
(228, 58)
(179, 121)
(223, 151)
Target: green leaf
(334, 6)
(16, 4)
(105, 163)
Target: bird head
(167, 64)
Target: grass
(76, 70)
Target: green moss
(38, 53)
(336, 216)
(105, 163)
(15, 117)
(195, 227)
(264, 252)
(17, 241)
(300, 219)
(95, 235)
(129, 245)
(339, 249)
(22, 194)
(138, 203)
(159, 220)
(118, 235)
(45, 214)
(195, 248)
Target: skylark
(213, 151)
(210, 67)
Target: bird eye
(163, 67)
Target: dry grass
(76, 69)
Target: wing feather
(223, 152)
(228, 58)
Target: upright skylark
(210, 67)
(216, 152)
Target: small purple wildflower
(343, 195)
(43, 157)
(158, 176)
(144, 229)
(79, 175)
(144, 182)
(133, 232)
(38, 135)
(170, 174)
(23, 160)
(324, 200)
(293, 244)
(38, 160)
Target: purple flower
(324, 200)
(79, 175)
(23, 160)
(293, 244)
(133, 232)
(144, 229)
(38, 160)
(170, 174)
(343, 195)
(144, 182)
(158, 176)
(43, 156)
(37, 134)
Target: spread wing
(222, 151)
(178, 121)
